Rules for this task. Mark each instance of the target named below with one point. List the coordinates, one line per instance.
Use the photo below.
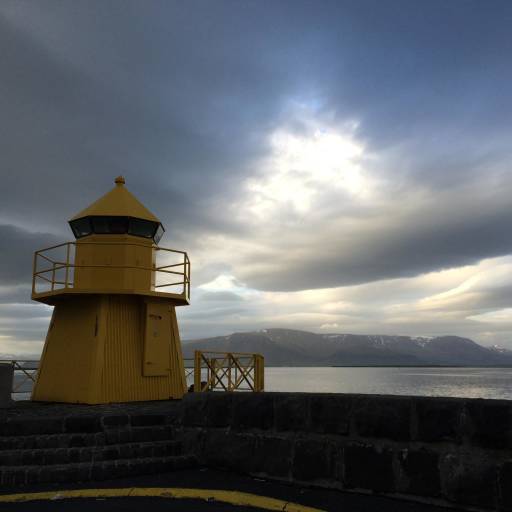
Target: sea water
(432, 381)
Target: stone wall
(440, 450)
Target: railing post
(34, 270)
(259, 372)
(197, 371)
(230, 359)
(67, 266)
(53, 276)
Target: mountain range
(287, 347)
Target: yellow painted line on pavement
(231, 497)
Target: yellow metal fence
(53, 268)
(208, 371)
(227, 371)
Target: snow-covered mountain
(292, 347)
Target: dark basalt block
(330, 414)
(419, 472)
(291, 413)
(368, 467)
(438, 419)
(383, 418)
(313, 460)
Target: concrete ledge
(442, 450)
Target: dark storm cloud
(17, 247)
(183, 95)
(181, 98)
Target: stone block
(438, 419)
(505, 486)
(272, 456)
(368, 467)
(80, 472)
(32, 475)
(115, 421)
(219, 409)
(32, 457)
(78, 440)
(419, 472)
(469, 480)
(489, 423)
(13, 457)
(330, 414)
(146, 420)
(110, 453)
(229, 451)
(97, 439)
(291, 412)
(313, 460)
(143, 466)
(194, 409)
(121, 468)
(74, 454)
(383, 417)
(193, 441)
(66, 473)
(83, 424)
(57, 456)
(28, 427)
(13, 477)
(253, 411)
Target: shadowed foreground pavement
(322, 499)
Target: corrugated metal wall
(122, 376)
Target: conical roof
(119, 202)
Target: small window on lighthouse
(81, 227)
(159, 232)
(140, 227)
(118, 225)
(100, 225)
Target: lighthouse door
(157, 342)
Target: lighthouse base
(111, 348)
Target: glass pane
(159, 232)
(81, 227)
(100, 225)
(118, 225)
(139, 227)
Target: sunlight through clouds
(301, 167)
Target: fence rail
(54, 267)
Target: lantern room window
(158, 234)
(145, 228)
(117, 225)
(81, 227)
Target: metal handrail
(49, 274)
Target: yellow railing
(58, 274)
(228, 371)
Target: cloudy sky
(338, 166)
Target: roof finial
(119, 181)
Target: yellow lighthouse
(113, 335)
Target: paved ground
(327, 500)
